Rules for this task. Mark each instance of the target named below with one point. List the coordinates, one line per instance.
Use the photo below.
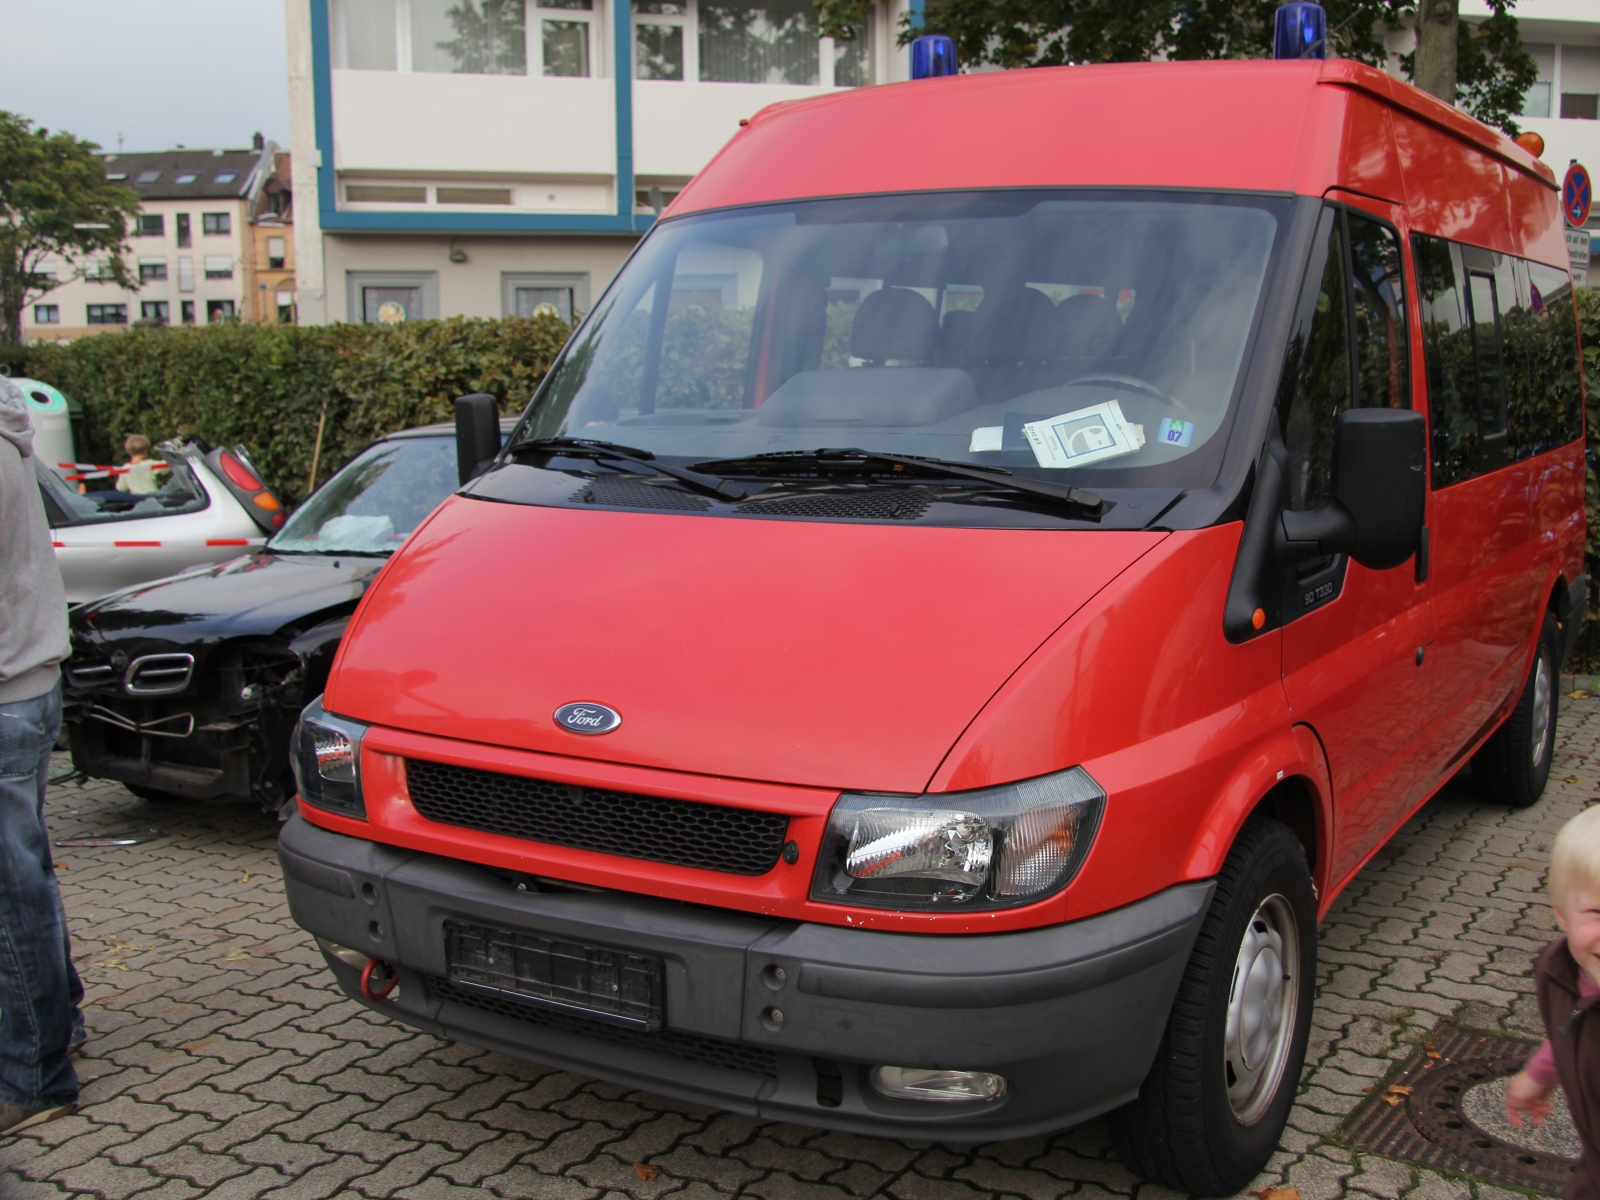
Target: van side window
(1552, 345)
(1348, 348)
(1485, 298)
(1383, 363)
(1447, 352)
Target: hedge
(266, 385)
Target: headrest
(1089, 324)
(1021, 326)
(894, 323)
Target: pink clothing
(1541, 1067)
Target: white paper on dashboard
(986, 437)
(1083, 436)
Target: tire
(1514, 764)
(155, 795)
(1202, 1123)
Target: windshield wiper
(641, 462)
(1089, 502)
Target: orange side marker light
(1258, 618)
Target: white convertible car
(207, 506)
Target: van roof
(1252, 125)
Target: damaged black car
(189, 688)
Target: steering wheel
(1138, 385)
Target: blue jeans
(39, 989)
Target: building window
(472, 195)
(151, 225)
(469, 37)
(1580, 82)
(218, 311)
(216, 224)
(391, 297)
(186, 177)
(148, 176)
(155, 310)
(186, 308)
(226, 177)
(47, 314)
(373, 193)
(286, 308)
(98, 270)
(363, 35)
(152, 270)
(275, 249)
(744, 41)
(219, 266)
(185, 273)
(183, 230)
(564, 39)
(527, 294)
(108, 314)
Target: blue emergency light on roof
(1300, 31)
(932, 54)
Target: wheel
(155, 795)
(1514, 764)
(1210, 1112)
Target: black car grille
(877, 504)
(737, 841)
(625, 491)
(690, 1047)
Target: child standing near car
(140, 478)
(1568, 980)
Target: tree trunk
(1436, 47)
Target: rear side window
(166, 488)
(1499, 340)
(1349, 348)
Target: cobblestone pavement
(223, 1062)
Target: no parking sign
(1577, 193)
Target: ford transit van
(1003, 553)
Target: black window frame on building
(155, 310)
(47, 314)
(221, 312)
(184, 230)
(153, 272)
(186, 311)
(216, 224)
(106, 314)
(151, 225)
(1500, 358)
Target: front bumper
(1070, 1014)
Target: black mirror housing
(1379, 493)
(477, 434)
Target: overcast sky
(159, 73)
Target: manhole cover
(1445, 1110)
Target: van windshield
(1094, 338)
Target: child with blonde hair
(1568, 984)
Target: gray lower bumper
(1070, 1014)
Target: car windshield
(375, 501)
(1088, 337)
(161, 486)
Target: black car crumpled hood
(257, 595)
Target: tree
(55, 203)
(1495, 69)
(1483, 68)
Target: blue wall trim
(331, 218)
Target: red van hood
(801, 652)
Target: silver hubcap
(1541, 708)
(1261, 1009)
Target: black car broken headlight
(326, 753)
(991, 848)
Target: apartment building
(188, 247)
(492, 157)
(271, 248)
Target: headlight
(986, 849)
(326, 753)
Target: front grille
(690, 1047)
(158, 674)
(685, 833)
(88, 675)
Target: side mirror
(1379, 491)
(477, 434)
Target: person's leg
(37, 1001)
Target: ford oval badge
(587, 718)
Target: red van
(1000, 557)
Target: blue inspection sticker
(1175, 433)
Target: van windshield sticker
(1175, 433)
(987, 437)
(1083, 436)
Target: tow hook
(389, 976)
